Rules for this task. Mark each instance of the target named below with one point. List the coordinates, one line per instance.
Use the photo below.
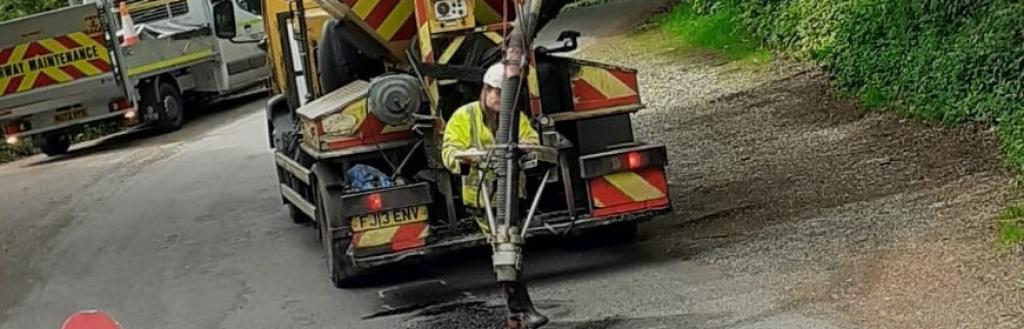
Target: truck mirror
(224, 19)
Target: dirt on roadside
(882, 221)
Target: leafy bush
(945, 60)
(9, 153)
(10, 9)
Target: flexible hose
(508, 121)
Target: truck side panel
(36, 54)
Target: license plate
(389, 218)
(70, 115)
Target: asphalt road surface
(794, 210)
(186, 230)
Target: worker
(472, 128)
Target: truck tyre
(340, 62)
(342, 271)
(617, 233)
(166, 101)
(298, 217)
(55, 144)
(286, 177)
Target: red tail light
(120, 104)
(634, 160)
(374, 202)
(12, 127)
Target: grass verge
(949, 61)
(719, 31)
(1011, 232)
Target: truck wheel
(339, 265)
(55, 144)
(167, 103)
(298, 217)
(613, 234)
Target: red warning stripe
(5, 55)
(380, 12)
(409, 237)
(99, 38)
(48, 73)
(66, 42)
(369, 133)
(656, 177)
(73, 71)
(43, 80)
(610, 201)
(584, 92)
(607, 195)
(35, 49)
(12, 86)
(407, 31)
(100, 65)
(588, 98)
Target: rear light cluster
(374, 202)
(120, 105)
(623, 160)
(635, 160)
(13, 128)
(385, 199)
(124, 105)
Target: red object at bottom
(91, 319)
(611, 200)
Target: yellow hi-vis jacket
(465, 130)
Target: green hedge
(10, 9)
(945, 60)
(8, 153)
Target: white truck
(65, 69)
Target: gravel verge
(880, 220)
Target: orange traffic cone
(128, 35)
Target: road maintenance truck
(363, 89)
(331, 59)
(133, 61)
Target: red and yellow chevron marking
(354, 127)
(52, 61)
(423, 19)
(391, 239)
(596, 88)
(393, 19)
(627, 192)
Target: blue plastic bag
(363, 177)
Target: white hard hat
(495, 75)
